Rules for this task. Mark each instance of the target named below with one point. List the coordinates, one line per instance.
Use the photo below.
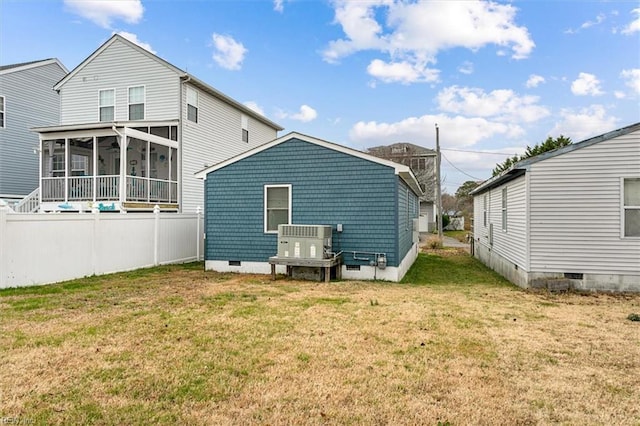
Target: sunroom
(119, 166)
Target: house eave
(102, 125)
(216, 93)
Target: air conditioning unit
(304, 241)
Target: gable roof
(401, 170)
(180, 73)
(6, 69)
(405, 147)
(522, 166)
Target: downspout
(185, 79)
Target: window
(2, 123)
(631, 207)
(79, 165)
(484, 210)
(107, 104)
(245, 129)
(136, 103)
(57, 169)
(192, 105)
(277, 206)
(504, 209)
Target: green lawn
(453, 343)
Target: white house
(570, 215)
(133, 131)
(27, 99)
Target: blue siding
(408, 209)
(328, 187)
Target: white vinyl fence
(46, 248)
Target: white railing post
(156, 233)
(198, 214)
(3, 238)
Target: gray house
(133, 131)
(569, 217)
(371, 205)
(27, 99)
(423, 164)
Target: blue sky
(494, 76)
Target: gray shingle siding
(328, 187)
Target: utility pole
(438, 184)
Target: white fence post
(94, 243)
(156, 233)
(3, 238)
(198, 213)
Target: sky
(494, 76)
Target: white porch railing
(107, 188)
(29, 204)
(80, 188)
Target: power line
(478, 152)
(461, 171)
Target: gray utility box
(304, 241)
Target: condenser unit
(304, 241)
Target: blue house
(371, 204)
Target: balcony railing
(107, 188)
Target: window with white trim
(192, 105)
(631, 207)
(484, 210)
(504, 209)
(277, 207)
(79, 165)
(136, 103)
(245, 128)
(107, 104)
(57, 165)
(2, 109)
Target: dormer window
(136, 103)
(192, 105)
(107, 104)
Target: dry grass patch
(455, 343)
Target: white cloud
(632, 78)
(401, 72)
(229, 53)
(455, 132)
(305, 114)
(466, 68)
(634, 26)
(278, 5)
(104, 12)
(587, 24)
(586, 84)
(584, 123)
(254, 106)
(503, 105)
(414, 33)
(134, 39)
(619, 94)
(534, 80)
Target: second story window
(107, 104)
(2, 123)
(245, 128)
(136, 103)
(192, 105)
